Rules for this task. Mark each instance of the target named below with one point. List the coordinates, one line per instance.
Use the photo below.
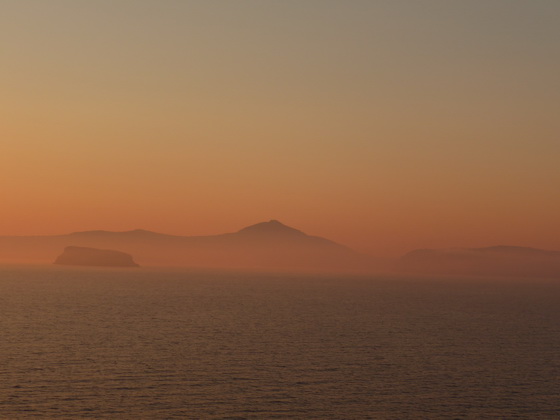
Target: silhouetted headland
(77, 255)
(510, 261)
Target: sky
(385, 125)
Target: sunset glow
(386, 126)
(296, 209)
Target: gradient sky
(384, 125)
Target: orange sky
(386, 126)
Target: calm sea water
(146, 344)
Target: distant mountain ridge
(268, 245)
(271, 227)
(273, 245)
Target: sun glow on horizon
(386, 126)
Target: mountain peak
(272, 227)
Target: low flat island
(83, 256)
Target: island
(83, 256)
(269, 245)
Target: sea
(80, 343)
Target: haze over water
(105, 343)
(417, 135)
